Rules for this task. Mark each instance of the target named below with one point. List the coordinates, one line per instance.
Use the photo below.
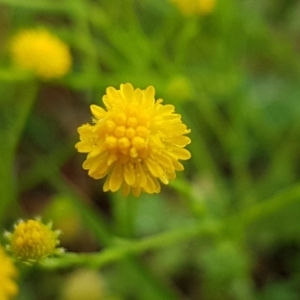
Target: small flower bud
(31, 241)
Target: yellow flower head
(190, 7)
(32, 241)
(136, 141)
(8, 287)
(42, 53)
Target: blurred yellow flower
(84, 284)
(42, 53)
(32, 241)
(8, 287)
(136, 141)
(190, 7)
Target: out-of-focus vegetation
(228, 227)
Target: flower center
(127, 134)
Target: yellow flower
(42, 53)
(190, 7)
(8, 287)
(32, 241)
(136, 141)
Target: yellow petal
(129, 174)
(86, 131)
(177, 165)
(148, 96)
(141, 178)
(150, 186)
(181, 153)
(154, 167)
(116, 178)
(84, 146)
(180, 141)
(127, 90)
(125, 189)
(136, 191)
(97, 111)
(137, 95)
(164, 160)
(166, 109)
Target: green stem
(117, 253)
(179, 235)
(124, 209)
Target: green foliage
(228, 227)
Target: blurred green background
(228, 226)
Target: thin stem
(117, 253)
(179, 235)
